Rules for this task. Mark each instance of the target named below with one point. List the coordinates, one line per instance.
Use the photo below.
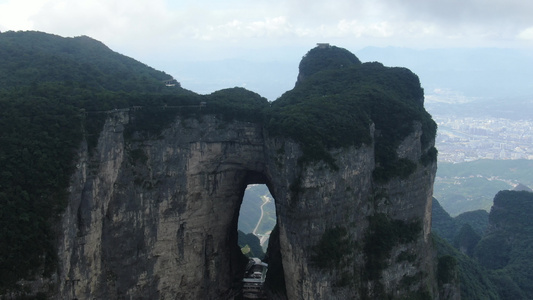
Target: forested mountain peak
(31, 58)
(499, 263)
(512, 210)
(338, 99)
(325, 57)
(56, 93)
(40, 41)
(505, 249)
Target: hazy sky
(175, 36)
(220, 29)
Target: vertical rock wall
(156, 218)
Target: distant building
(323, 45)
(170, 82)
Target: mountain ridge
(496, 246)
(159, 162)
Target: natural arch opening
(257, 218)
(258, 239)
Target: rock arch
(157, 218)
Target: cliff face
(156, 217)
(153, 207)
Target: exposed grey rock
(156, 218)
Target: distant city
(467, 139)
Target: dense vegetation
(325, 58)
(38, 136)
(384, 234)
(448, 228)
(32, 58)
(53, 92)
(506, 248)
(494, 261)
(473, 280)
(56, 92)
(250, 245)
(333, 246)
(335, 108)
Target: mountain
(505, 248)
(477, 219)
(492, 256)
(467, 227)
(441, 222)
(132, 188)
(250, 245)
(474, 281)
(33, 59)
(54, 92)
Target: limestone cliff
(155, 177)
(157, 218)
(154, 216)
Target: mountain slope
(502, 254)
(47, 83)
(33, 58)
(461, 228)
(148, 168)
(506, 247)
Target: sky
(158, 32)
(221, 29)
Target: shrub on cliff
(333, 246)
(383, 234)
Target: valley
(256, 199)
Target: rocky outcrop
(156, 217)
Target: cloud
(102, 17)
(14, 14)
(526, 34)
(152, 25)
(490, 19)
